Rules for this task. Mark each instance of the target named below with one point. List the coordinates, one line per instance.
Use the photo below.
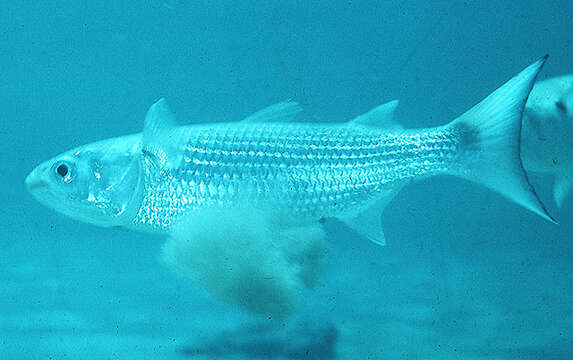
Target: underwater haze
(465, 273)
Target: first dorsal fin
(380, 116)
(158, 136)
(282, 112)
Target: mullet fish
(349, 171)
(547, 128)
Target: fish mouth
(35, 182)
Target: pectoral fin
(159, 140)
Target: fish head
(547, 145)
(551, 101)
(564, 101)
(99, 183)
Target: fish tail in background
(257, 259)
(490, 134)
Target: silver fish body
(350, 170)
(313, 170)
(239, 202)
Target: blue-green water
(465, 274)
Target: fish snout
(35, 180)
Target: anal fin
(368, 222)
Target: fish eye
(63, 170)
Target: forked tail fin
(490, 146)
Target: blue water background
(466, 274)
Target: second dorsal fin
(381, 116)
